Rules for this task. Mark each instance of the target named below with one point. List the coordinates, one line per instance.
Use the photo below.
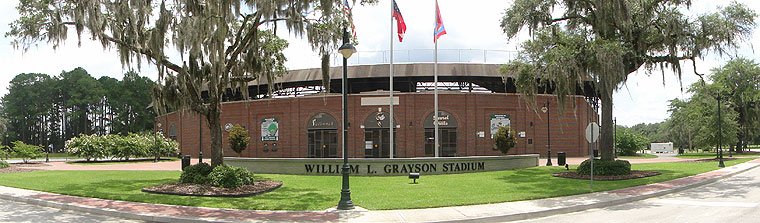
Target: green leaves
(93, 147)
(600, 42)
(26, 152)
(238, 138)
(628, 142)
(505, 139)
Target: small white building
(662, 147)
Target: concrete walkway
(507, 211)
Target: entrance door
(377, 143)
(448, 138)
(323, 143)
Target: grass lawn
(133, 160)
(711, 155)
(639, 156)
(374, 193)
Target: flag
(439, 30)
(400, 24)
(350, 19)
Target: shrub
(132, 145)
(87, 146)
(238, 138)
(230, 176)
(628, 142)
(197, 174)
(605, 167)
(4, 152)
(4, 165)
(505, 139)
(159, 145)
(26, 152)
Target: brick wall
(472, 112)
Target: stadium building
(299, 120)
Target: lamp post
(614, 138)
(545, 109)
(720, 138)
(155, 140)
(346, 50)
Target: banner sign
(270, 129)
(498, 121)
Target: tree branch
(567, 18)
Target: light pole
(545, 109)
(346, 50)
(720, 137)
(155, 140)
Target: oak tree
(604, 41)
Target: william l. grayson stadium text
(400, 168)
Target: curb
(501, 218)
(107, 212)
(571, 209)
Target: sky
(473, 35)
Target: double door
(323, 143)
(448, 138)
(377, 143)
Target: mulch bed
(190, 189)
(634, 174)
(17, 167)
(710, 160)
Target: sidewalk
(507, 211)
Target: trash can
(680, 150)
(561, 158)
(185, 161)
(596, 153)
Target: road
(20, 212)
(735, 199)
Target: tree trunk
(215, 128)
(605, 141)
(740, 142)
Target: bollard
(200, 157)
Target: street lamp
(346, 50)
(720, 134)
(728, 105)
(545, 109)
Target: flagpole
(391, 81)
(435, 85)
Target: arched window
(322, 131)
(447, 127)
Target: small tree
(505, 139)
(89, 147)
(26, 152)
(160, 145)
(238, 138)
(628, 142)
(4, 152)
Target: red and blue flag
(439, 30)
(350, 19)
(400, 24)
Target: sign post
(592, 134)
